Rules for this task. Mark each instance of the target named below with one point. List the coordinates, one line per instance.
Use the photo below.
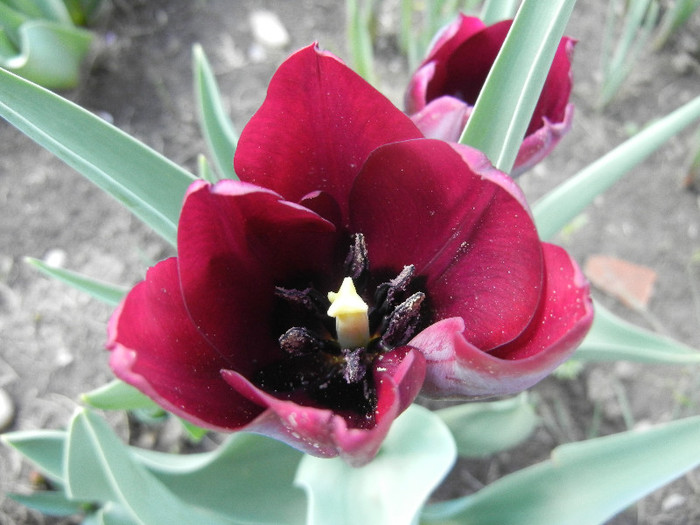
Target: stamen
(350, 312)
(357, 261)
(299, 341)
(403, 321)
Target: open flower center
(332, 341)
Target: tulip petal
(156, 348)
(419, 202)
(455, 367)
(443, 118)
(236, 242)
(457, 67)
(317, 126)
(322, 432)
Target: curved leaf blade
(556, 209)
(583, 483)
(44, 448)
(108, 293)
(218, 130)
(614, 339)
(390, 490)
(509, 422)
(236, 480)
(98, 467)
(149, 185)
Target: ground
(52, 337)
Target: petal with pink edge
(156, 348)
(455, 367)
(321, 432)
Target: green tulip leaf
(111, 294)
(204, 170)
(44, 448)
(583, 483)
(112, 514)
(149, 185)
(505, 105)
(612, 338)
(216, 126)
(509, 422)
(49, 54)
(417, 454)
(52, 503)
(99, 467)
(561, 205)
(118, 395)
(237, 480)
(496, 10)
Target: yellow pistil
(350, 312)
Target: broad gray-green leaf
(105, 292)
(50, 53)
(390, 490)
(612, 338)
(556, 209)
(98, 467)
(118, 395)
(148, 184)
(53, 503)
(241, 479)
(496, 10)
(44, 448)
(583, 483)
(504, 108)
(218, 130)
(481, 429)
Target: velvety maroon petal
(456, 367)
(452, 35)
(443, 118)
(461, 73)
(156, 348)
(317, 126)
(236, 242)
(419, 202)
(554, 99)
(320, 432)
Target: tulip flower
(444, 89)
(354, 264)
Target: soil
(139, 76)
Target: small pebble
(56, 258)
(672, 501)
(268, 29)
(7, 411)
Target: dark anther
(310, 299)
(385, 296)
(403, 322)
(299, 341)
(357, 261)
(354, 369)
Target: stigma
(351, 315)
